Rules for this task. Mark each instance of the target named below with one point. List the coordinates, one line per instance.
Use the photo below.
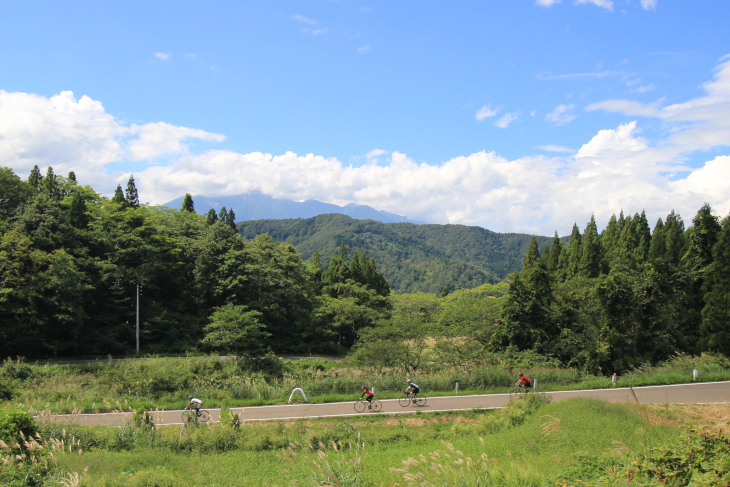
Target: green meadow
(530, 443)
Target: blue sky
(512, 115)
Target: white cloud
(303, 19)
(506, 119)
(556, 148)
(79, 135)
(616, 169)
(314, 32)
(546, 3)
(363, 49)
(485, 112)
(561, 115)
(607, 4)
(163, 56)
(649, 4)
(644, 89)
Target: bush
(6, 393)
(14, 421)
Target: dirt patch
(696, 415)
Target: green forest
(413, 258)
(603, 301)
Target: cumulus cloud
(79, 135)
(649, 4)
(485, 112)
(363, 49)
(163, 56)
(555, 148)
(546, 3)
(618, 168)
(506, 119)
(607, 4)
(561, 115)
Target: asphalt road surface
(705, 392)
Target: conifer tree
(76, 216)
(609, 243)
(715, 328)
(575, 249)
(211, 217)
(188, 204)
(643, 239)
(675, 240)
(705, 233)
(625, 255)
(231, 220)
(131, 196)
(223, 215)
(119, 196)
(555, 250)
(590, 261)
(533, 255)
(72, 178)
(51, 186)
(35, 179)
(658, 247)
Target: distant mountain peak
(255, 205)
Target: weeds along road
(705, 392)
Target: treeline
(413, 258)
(626, 296)
(71, 261)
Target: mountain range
(411, 257)
(258, 206)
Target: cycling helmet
(409, 381)
(363, 387)
(521, 374)
(190, 397)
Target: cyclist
(412, 387)
(524, 382)
(370, 394)
(197, 404)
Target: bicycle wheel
(186, 416)
(404, 401)
(204, 417)
(359, 406)
(377, 406)
(419, 401)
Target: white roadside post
(457, 388)
(695, 374)
(534, 384)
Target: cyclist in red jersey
(524, 382)
(370, 394)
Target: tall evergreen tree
(643, 239)
(223, 215)
(575, 251)
(715, 328)
(609, 243)
(76, 216)
(658, 247)
(675, 241)
(72, 178)
(131, 196)
(51, 186)
(555, 250)
(625, 255)
(188, 204)
(35, 179)
(705, 233)
(231, 220)
(533, 255)
(591, 255)
(211, 217)
(119, 196)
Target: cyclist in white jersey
(412, 387)
(197, 403)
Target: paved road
(706, 392)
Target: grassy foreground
(530, 443)
(165, 383)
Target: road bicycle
(517, 391)
(361, 406)
(190, 416)
(416, 400)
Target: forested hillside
(412, 258)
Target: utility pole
(137, 319)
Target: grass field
(165, 383)
(526, 444)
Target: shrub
(14, 421)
